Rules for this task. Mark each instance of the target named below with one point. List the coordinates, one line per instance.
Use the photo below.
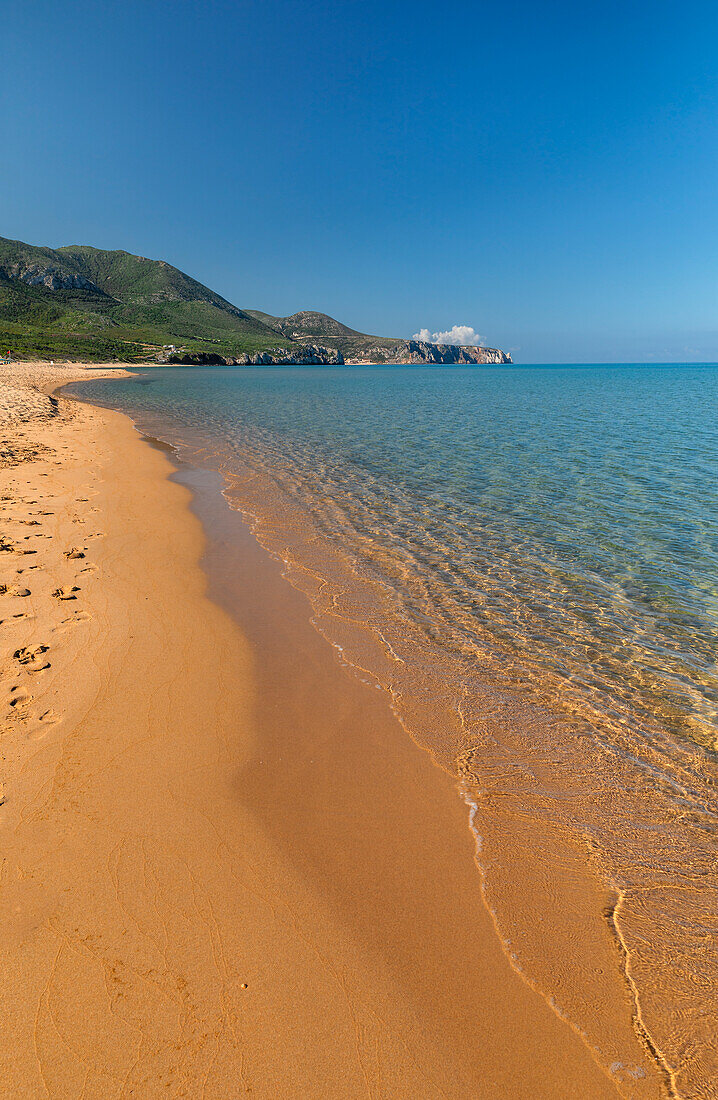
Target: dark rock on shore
(195, 359)
(306, 355)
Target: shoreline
(211, 844)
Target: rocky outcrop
(418, 351)
(47, 275)
(406, 351)
(305, 356)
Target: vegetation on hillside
(85, 302)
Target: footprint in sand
(8, 590)
(66, 592)
(72, 620)
(49, 718)
(75, 552)
(26, 655)
(19, 697)
(18, 615)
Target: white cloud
(463, 335)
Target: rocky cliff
(418, 351)
(306, 356)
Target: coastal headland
(227, 870)
(89, 303)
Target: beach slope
(215, 883)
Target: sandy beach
(226, 868)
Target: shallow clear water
(560, 521)
(526, 560)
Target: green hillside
(83, 302)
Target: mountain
(311, 327)
(308, 323)
(93, 304)
(87, 303)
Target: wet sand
(227, 869)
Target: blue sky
(544, 172)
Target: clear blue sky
(544, 172)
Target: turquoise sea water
(561, 521)
(526, 560)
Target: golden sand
(226, 869)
